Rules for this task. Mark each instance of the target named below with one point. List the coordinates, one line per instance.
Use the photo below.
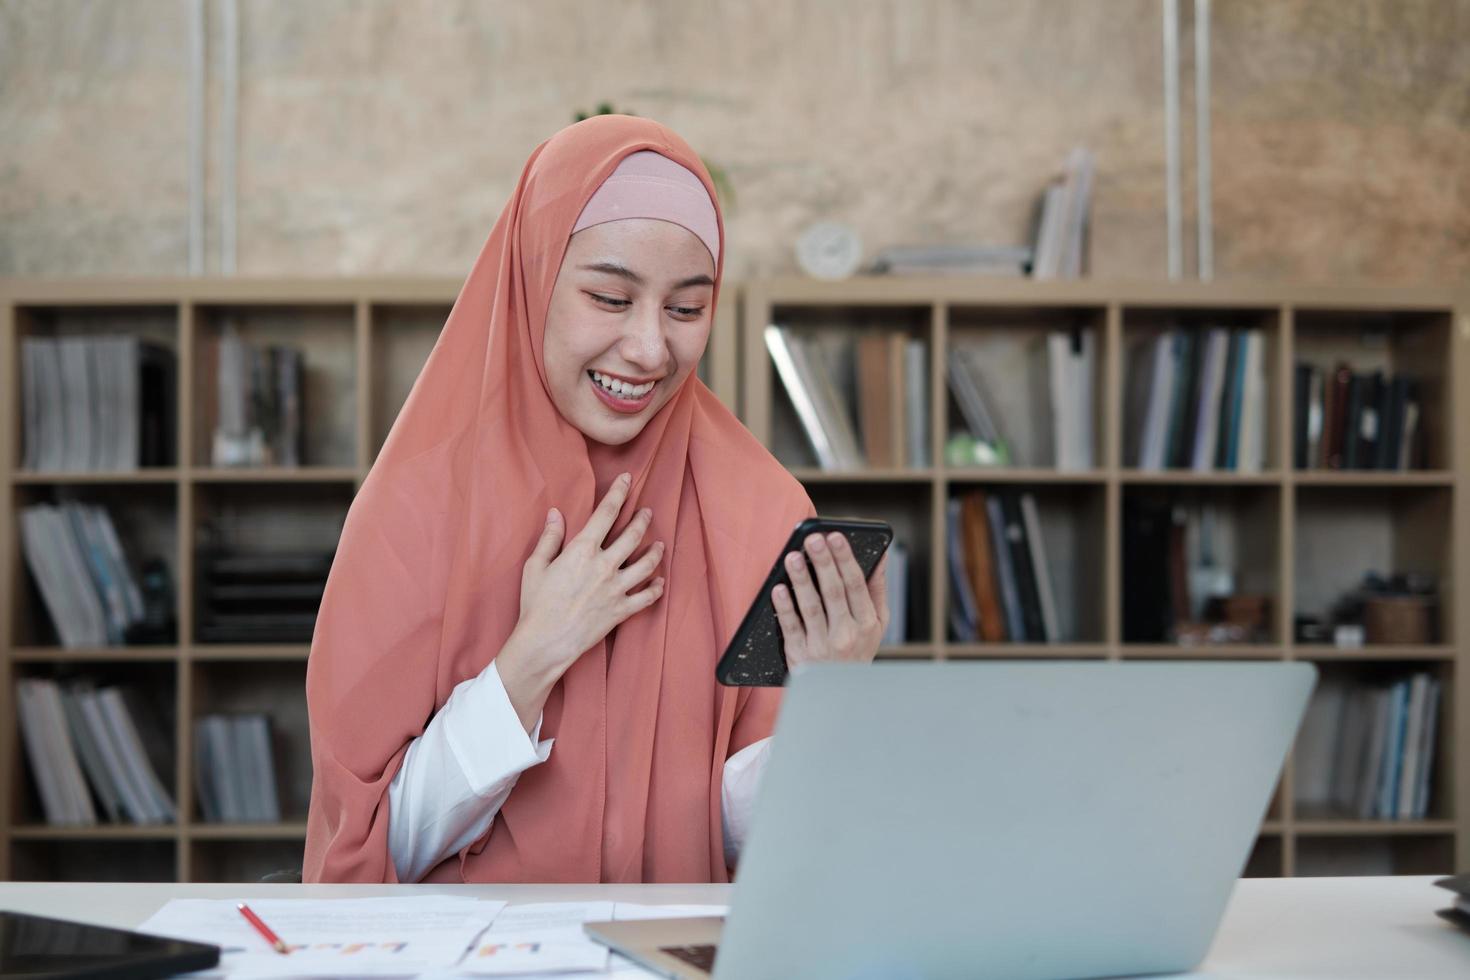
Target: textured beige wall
(383, 137)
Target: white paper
(332, 937)
(542, 937)
(536, 939)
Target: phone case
(756, 657)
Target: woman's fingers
(829, 580)
(643, 598)
(606, 513)
(854, 585)
(791, 629)
(628, 541)
(814, 619)
(878, 591)
(548, 546)
(642, 568)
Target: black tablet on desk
(34, 946)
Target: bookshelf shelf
(809, 475)
(101, 832)
(246, 831)
(149, 476)
(1025, 651)
(363, 342)
(1332, 478)
(1001, 474)
(225, 652)
(1375, 653)
(1187, 478)
(277, 474)
(1294, 540)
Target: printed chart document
(547, 937)
(332, 937)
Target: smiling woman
(512, 676)
(629, 320)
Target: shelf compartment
(832, 336)
(908, 509)
(1006, 351)
(1343, 533)
(325, 335)
(276, 689)
(267, 523)
(1267, 858)
(1335, 750)
(151, 323)
(145, 517)
(402, 338)
(1072, 518)
(1414, 344)
(94, 860)
(1168, 532)
(245, 861)
(1374, 855)
(152, 707)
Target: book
(979, 560)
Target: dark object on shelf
(265, 598)
(1397, 619)
(158, 624)
(1459, 914)
(1404, 609)
(1311, 629)
(1148, 608)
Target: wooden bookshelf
(1299, 531)
(364, 342)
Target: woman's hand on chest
(573, 593)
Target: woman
(512, 675)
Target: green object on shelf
(964, 449)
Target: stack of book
(234, 769)
(891, 391)
(260, 410)
(1351, 420)
(260, 598)
(1367, 750)
(1062, 221)
(999, 575)
(1197, 399)
(897, 582)
(85, 581)
(96, 403)
(69, 731)
(954, 260)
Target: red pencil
(262, 928)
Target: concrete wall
(384, 137)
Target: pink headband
(649, 185)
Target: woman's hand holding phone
(573, 596)
(841, 616)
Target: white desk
(1283, 929)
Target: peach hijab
(425, 587)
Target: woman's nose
(644, 345)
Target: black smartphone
(756, 657)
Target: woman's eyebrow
(614, 269)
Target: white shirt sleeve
(457, 774)
(739, 783)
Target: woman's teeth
(621, 388)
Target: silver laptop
(1017, 820)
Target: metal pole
(1171, 138)
(1205, 224)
